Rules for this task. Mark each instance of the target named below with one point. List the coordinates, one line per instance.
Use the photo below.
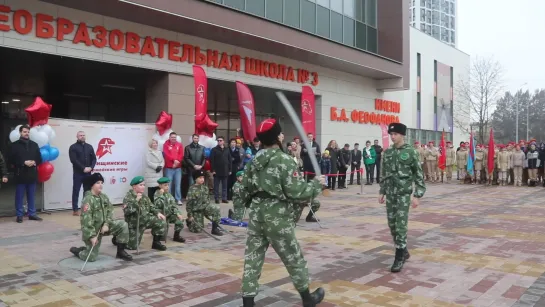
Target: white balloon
(39, 137)
(52, 135)
(203, 140)
(179, 139)
(48, 130)
(160, 144)
(15, 135)
(156, 136)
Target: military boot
(76, 250)
(157, 244)
(231, 213)
(248, 302)
(406, 254)
(178, 238)
(114, 241)
(311, 218)
(312, 299)
(122, 254)
(216, 230)
(398, 261)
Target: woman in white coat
(154, 168)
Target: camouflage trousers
(238, 211)
(154, 223)
(315, 205)
(280, 233)
(211, 211)
(118, 228)
(178, 224)
(397, 208)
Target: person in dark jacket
(236, 161)
(315, 150)
(194, 158)
(3, 169)
(378, 152)
(355, 166)
(220, 163)
(83, 159)
(334, 156)
(25, 157)
(345, 159)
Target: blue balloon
(46, 147)
(53, 153)
(207, 153)
(45, 155)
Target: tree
(476, 97)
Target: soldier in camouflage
(97, 220)
(273, 191)
(166, 203)
(238, 205)
(314, 205)
(140, 211)
(401, 168)
(199, 206)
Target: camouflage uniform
(401, 168)
(97, 211)
(148, 220)
(314, 205)
(199, 206)
(238, 204)
(272, 185)
(167, 204)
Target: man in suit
(83, 159)
(378, 152)
(356, 164)
(221, 165)
(305, 152)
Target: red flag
(385, 136)
(491, 152)
(201, 95)
(246, 109)
(308, 116)
(443, 158)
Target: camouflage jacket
(95, 212)
(237, 190)
(198, 198)
(400, 169)
(166, 204)
(272, 186)
(131, 208)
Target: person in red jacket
(173, 151)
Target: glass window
(361, 36)
(453, 37)
(422, 15)
(452, 23)
(336, 27)
(292, 13)
(359, 8)
(371, 11)
(337, 5)
(349, 7)
(372, 39)
(322, 28)
(324, 3)
(308, 16)
(349, 31)
(428, 29)
(236, 4)
(452, 9)
(274, 10)
(422, 3)
(256, 7)
(422, 27)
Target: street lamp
(517, 120)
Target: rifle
(98, 235)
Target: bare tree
(476, 97)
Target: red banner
(443, 158)
(491, 152)
(308, 116)
(385, 136)
(201, 94)
(246, 109)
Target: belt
(263, 195)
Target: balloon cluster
(42, 134)
(163, 125)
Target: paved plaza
(470, 246)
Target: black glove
(158, 169)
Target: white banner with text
(120, 150)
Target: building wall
(334, 88)
(430, 50)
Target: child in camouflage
(238, 205)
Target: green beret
(163, 180)
(137, 180)
(240, 173)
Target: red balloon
(206, 165)
(43, 178)
(163, 122)
(38, 112)
(45, 169)
(204, 125)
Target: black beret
(90, 180)
(397, 128)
